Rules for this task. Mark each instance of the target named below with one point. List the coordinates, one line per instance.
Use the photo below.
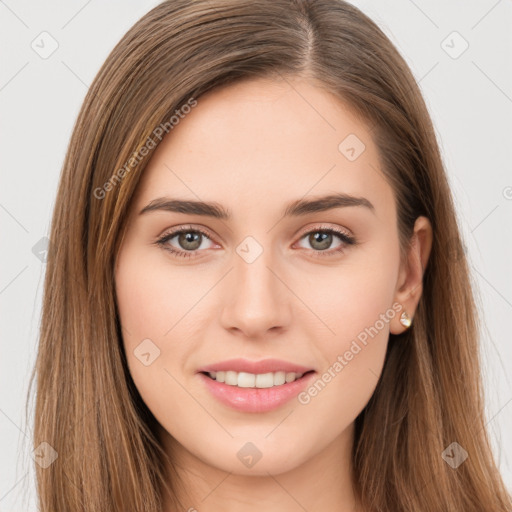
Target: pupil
(189, 240)
(322, 240)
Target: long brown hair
(88, 409)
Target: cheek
(351, 297)
(352, 363)
(152, 306)
(153, 297)
(356, 303)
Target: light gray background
(469, 97)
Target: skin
(253, 147)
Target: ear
(409, 285)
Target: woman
(249, 299)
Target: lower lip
(256, 399)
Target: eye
(188, 238)
(321, 239)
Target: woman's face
(267, 281)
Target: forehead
(261, 140)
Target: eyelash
(346, 239)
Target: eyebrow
(296, 208)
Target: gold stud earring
(405, 320)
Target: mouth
(256, 381)
(255, 393)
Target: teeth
(250, 380)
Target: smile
(251, 380)
(254, 392)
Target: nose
(257, 299)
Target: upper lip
(255, 367)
